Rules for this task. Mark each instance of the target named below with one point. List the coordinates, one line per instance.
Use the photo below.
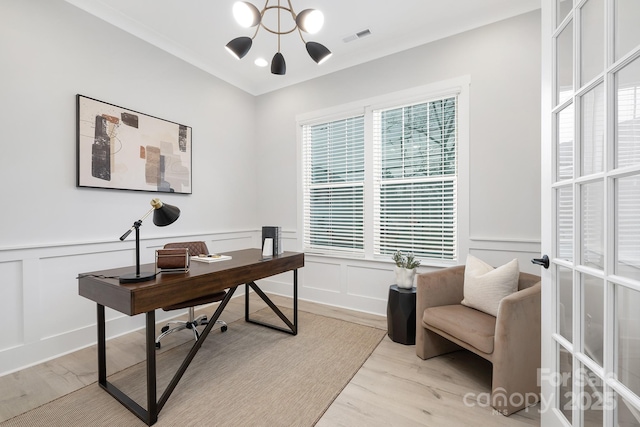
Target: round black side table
(401, 315)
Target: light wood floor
(393, 388)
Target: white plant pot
(404, 277)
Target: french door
(590, 373)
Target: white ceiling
(197, 31)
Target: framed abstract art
(118, 148)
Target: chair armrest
(441, 287)
(516, 349)
(517, 315)
(436, 288)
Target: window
(415, 179)
(334, 185)
(383, 179)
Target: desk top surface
(166, 289)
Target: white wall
(51, 51)
(50, 230)
(503, 63)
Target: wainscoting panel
(370, 281)
(322, 276)
(363, 285)
(43, 314)
(349, 283)
(47, 318)
(11, 308)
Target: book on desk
(210, 258)
(271, 241)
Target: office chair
(195, 249)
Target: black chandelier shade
(278, 65)
(318, 52)
(239, 46)
(308, 21)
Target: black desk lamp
(163, 214)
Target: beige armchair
(510, 341)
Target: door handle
(544, 261)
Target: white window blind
(415, 179)
(385, 178)
(333, 156)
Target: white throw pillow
(485, 286)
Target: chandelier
(309, 20)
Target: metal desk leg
(149, 416)
(102, 348)
(152, 402)
(293, 327)
(154, 406)
(295, 300)
(194, 349)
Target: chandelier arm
(281, 32)
(261, 24)
(275, 7)
(293, 14)
(278, 8)
(301, 36)
(256, 32)
(279, 26)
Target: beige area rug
(247, 376)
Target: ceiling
(197, 31)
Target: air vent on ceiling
(356, 36)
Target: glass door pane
(627, 415)
(565, 303)
(628, 227)
(628, 115)
(563, 7)
(592, 398)
(593, 225)
(565, 387)
(564, 58)
(564, 230)
(628, 337)
(627, 34)
(592, 136)
(593, 312)
(592, 40)
(564, 149)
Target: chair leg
(196, 335)
(166, 330)
(192, 313)
(191, 323)
(202, 320)
(430, 344)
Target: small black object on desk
(401, 315)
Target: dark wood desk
(245, 267)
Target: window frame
(335, 188)
(458, 87)
(383, 201)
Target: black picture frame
(119, 148)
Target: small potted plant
(405, 269)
